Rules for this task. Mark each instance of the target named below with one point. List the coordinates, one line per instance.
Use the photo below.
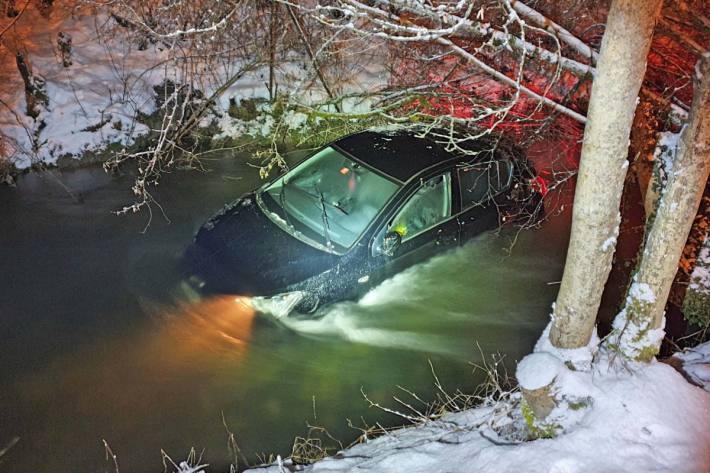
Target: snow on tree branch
(405, 21)
(563, 34)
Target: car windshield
(330, 198)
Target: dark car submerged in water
(359, 210)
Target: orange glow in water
(221, 323)
(147, 373)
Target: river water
(102, 342)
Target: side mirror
(391, 243)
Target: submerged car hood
(241, 251)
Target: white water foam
(390, 314)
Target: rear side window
(479, 182)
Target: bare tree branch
(564, 35)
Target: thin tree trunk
(272, 49)
(641, 320)
(595, 221)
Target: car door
(426, 223)
(478, 185)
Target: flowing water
(101, 341)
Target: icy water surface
(100, 340)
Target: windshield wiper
(282, 201)
(339, 207)
(324, 214)
(319, 197)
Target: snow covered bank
(98, 96)
(700, 278)
(696, 363)
(91, 103)
(696, 305)
(648, 420)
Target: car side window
(481, 181)
(429, 206)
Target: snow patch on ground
(298, 92)
(96, 100)
(92, 103)
(700, 278)
(261, 126)
(649, 420)
(696, 363)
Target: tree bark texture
(595, 219)
(678, 205)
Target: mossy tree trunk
(642, 317)
(620, 71)
(595, 219)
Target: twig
(314, 59)
(110, 455)
(14, 20)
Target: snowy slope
(91, 103)
(696, 363)
(95, 101)
(652, 420)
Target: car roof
(398, 154)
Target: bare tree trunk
(272, 49)
(640, 323)
(595, 221)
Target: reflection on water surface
(102, 341)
